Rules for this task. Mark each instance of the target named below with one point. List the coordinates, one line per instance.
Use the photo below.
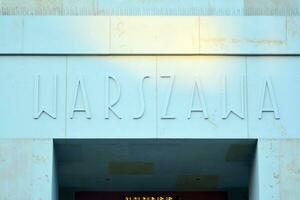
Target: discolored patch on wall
(84, 4)
(32, 4)
(293, 27)
(271, 5)
(197, 183)
(130, 168)
(239, 152)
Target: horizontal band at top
(149, 35)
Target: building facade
(99, 100)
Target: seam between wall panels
(156, 99)
(286, 31)
(23, 32)
(66, 96)
(246, 97)
(109, 34)
(96, 4)
(199, 43)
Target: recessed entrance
(167, 169)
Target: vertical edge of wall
(275, 173)
(26, 169)
(264, 178)
(253, 179)
(55, 186)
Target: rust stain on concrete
(222, 41)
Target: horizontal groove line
(155, 11)
(92, 54)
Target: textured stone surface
(150, 35)
(66, 34)
(26, 168)
(276, 170)
(175, 7)
(152, 96)
(251, 35)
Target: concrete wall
(188, 7)
(26, 170)
(276, 170)
(135, 35)
(67, 96)
(27, 166)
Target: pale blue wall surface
(26, 169)
(132, 35)
(67, 97)
(38, 73)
